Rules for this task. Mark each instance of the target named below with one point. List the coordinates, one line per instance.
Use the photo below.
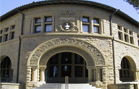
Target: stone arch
(94, 54)
(4, 56)
(131, 59)
(6, 71)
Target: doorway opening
(66, 64)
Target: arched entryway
(127, 71)
(38, 62)
(5, 70)
(66, 64)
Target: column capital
(34, 67)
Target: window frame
(86, 23)
(96, 25)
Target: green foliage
(135, 3)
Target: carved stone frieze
(54, 43)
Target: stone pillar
(28, 79)
(118, 74)
(98, 74)
(34, 74)
(42, 74)
(89, 75)
(42, 24)
(104, 76)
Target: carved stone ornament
(68, 27)
(68, 13)
(55, 43)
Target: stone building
(90, 43)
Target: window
(131, 40)
(37, 25)
(6, 29)
(126, 74)
(96, 25)
(48, 24)
(85, 28)
(6, 71)
(48, 19)
(12, 35)
(1, 31)
(37, 28)
(96, 29)
(85, 24)
(48, 27)
(5, 37)
(120, 35)
(125, 30)
(131, 37)
(0, 39)
(37, 20)
(119, 27)
(138, 42)
(130, 32)
(126, 38)
(12, 27)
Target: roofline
(78, 2)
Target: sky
(8, 5)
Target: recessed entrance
(66, 64)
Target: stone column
(34, 74)
(42, 74)
(89, 75)
(98, 74)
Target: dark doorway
(66, 64)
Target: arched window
(6, 71)
(126, 74)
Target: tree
(135, 3)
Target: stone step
(70, 86)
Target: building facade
(42, 42)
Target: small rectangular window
(6, 29)
(137, 36)
(12, 35)
(48, 27)
(6, 37)
(85, 28)
(37, 28)
(138, 42)
(95, 20)
(120, 35)
(48, 19)
(130, 32)
(96, 29)
(125, 30)
(119, 27)
(85, 19)
(12, 27)
(0, 39)
(131, 40)
(37, 20)
(1, 31)
(126, 38)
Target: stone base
(127, 85)
(12, 86)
